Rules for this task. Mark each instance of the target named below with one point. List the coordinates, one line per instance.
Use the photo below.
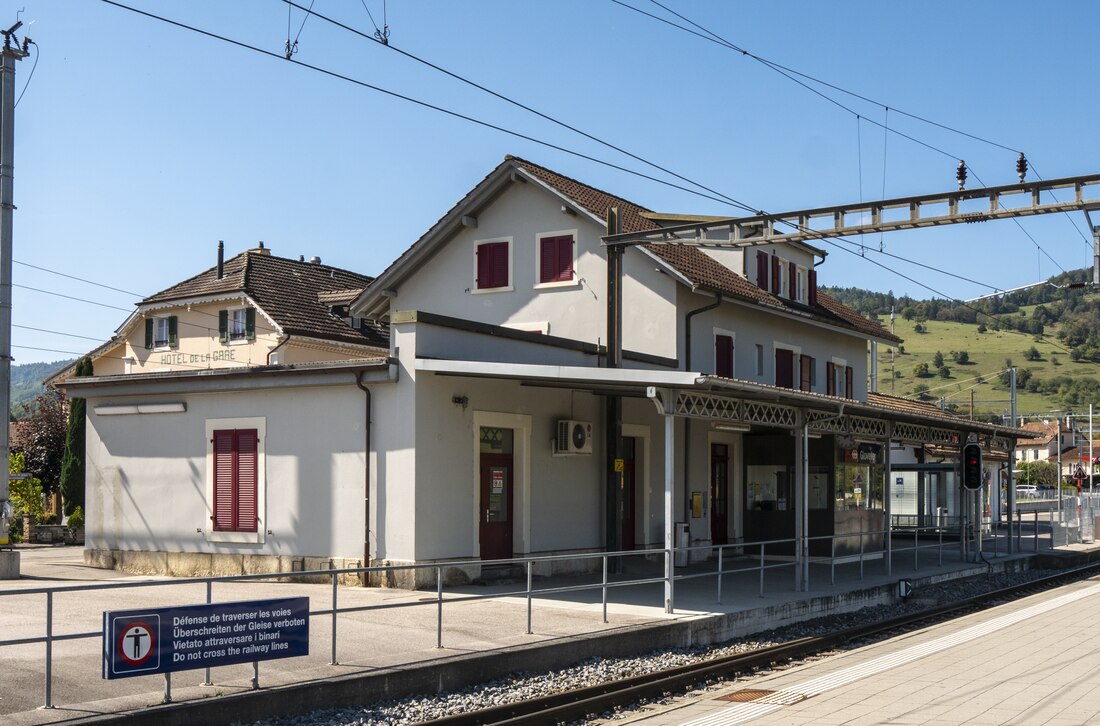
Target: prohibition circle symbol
(135, 643)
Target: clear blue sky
(139, 145)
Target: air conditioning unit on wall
(574, 437)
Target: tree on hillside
(937, 360)
(982, 328)
(921, 391)
(72, 466)
(945, 372)
(961, 357)
(920, 370)
(1032, 354)
(918, 328)
(40, 437)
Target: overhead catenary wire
(782, 70)
(723, 198)
(718, 40)
(729, 200)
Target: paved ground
(1030, 662)
(386, 635)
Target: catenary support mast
(8, 56)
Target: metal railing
(750, 557)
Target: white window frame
(714, 350)
(576, 281)
(217, 424)
(231, 315)
(166, 344)
(511, 264)
(784, 278)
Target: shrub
(76, 519)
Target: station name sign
(162, 640)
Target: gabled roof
(700, 269)
(289, 291)
(1047, 432)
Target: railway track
(583, 703)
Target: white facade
(468, 364)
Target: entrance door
(627, 493)
(719, 493)
(496, 493)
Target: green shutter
(250, 323)
(148, 333)
(223, 325)
(173, 334)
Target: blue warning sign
(163, 640)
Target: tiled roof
(1048, 432)
(288, 291)
(696, 266)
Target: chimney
(221, 259)
(315, 260)
(261, 250)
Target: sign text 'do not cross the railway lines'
(162, 640)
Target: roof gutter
(687, 422)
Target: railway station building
(461, 406)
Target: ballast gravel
(524, 686)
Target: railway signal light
(972, 466)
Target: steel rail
(579, 703)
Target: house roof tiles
(289, 291)
(700, 269)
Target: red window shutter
(830, 378)
(247, 452)
(723, 356)
(492, 265)
(792, 281)
(761, 270)
(784, 368)
(225, 500)
(812, 285)
(236, 481)
(807, 365)
(847, 381)
(775, 275)
(556, 259)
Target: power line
(547, 117)
(56, 332)
(37, 52)
(718, 40)
(729, 200)
(724, 197)
(79, 279)
(885, 126)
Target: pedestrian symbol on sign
(135, 644)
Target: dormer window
(161, 332)
(237, 325)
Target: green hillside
(26, 382)
(1051, 333)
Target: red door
(496, 506)
(719, 493)
(626, 484)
